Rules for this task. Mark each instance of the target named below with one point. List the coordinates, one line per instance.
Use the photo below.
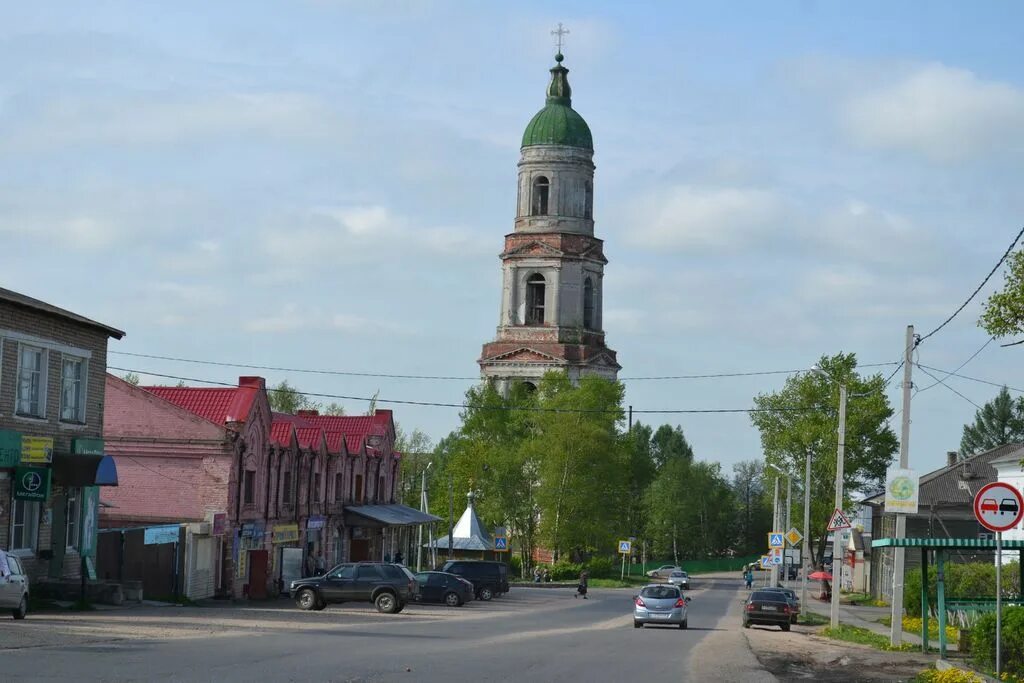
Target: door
(367, 578)
(338, 586)
(258, 561)
(291, 566)
(436, 585)
(359, 550)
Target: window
(337, 487)
(74, 503)
(287, 493)
(347, 571)
(316, 487)
(540, 196)
(535, 300)
(367, 571)
(588, 200)
(249, 496)
(24, 525)
(380, 489)
(588, 304)
(72, 389)
(31, 381)
(359, 488)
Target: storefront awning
(386, 515)
(72, 469)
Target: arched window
(588, 200)
(588, 304)
(535, 300)
(540, 196)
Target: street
(539, 634)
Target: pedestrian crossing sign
(625, 547)
(500, 544)
(776, 540)
(766, 562)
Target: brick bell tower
(553, 267)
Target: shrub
(983, 641)
(601, 568)
(515, 566)
(968, 580)
(952, 675)
(565, 571)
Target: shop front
(288, 555)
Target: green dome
(558, 123)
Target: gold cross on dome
(559, 33)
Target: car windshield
(678, 575)
(660, 592)
(768, 596)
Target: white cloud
(687, 216)
(940, 112)
(293, 319)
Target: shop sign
(31, 483)
(248, 529)
(36, 450)
(87, 446)
(243, 564)
(315, 522)
(286, 533)
(10, 448)
(156, 535)
(220, 523)
(901, 491)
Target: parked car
(450, 589)
(663, 571)
(13, 586)
(488, 578)
(680, 578)
(794, 601)
(388, 586)
(659, 603)
(769, 608)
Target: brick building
(52, 368)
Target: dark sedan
(450, 589)
(794, 601)
(769, 608)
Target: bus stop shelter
(942, 546)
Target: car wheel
(452, 599)
(22, 608)
(683, 625)
(386, 603)
(486, 594)
(785, 627)
(746, 624)
(637, 624)
(321, 605)
(306, 599)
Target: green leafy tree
(802, 418)
(999, 422)
(1003, 313)
(669, 443)
(132, 379)
(335, 409)
(416, 449)
(284, 398)
(752, 506)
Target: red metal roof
(335, 442)
(355, 427)
(281, 433)
(309, 437)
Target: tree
(752, 507)
(284, 398)
(1003, 313)
(335, 409)
(802, 419)
(999, 422)
(132, 379)
(416, 449)
(669, 443)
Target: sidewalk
(864, 616)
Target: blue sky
(327, 185)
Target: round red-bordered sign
(998, 506)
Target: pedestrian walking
(321, 563)
(310, 564)
(581, 588)
(749, 578)
(547, 576)
(398, 557)
(536, 574)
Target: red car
(989, 505)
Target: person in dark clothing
(398, 557)
(581, 589)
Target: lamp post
(837, 561)
(423, 508)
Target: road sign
(500, 544)
(776, 540)
(776, 557)
(794, 537)
(766, 562)
(998, 506)
(625, 547)
(838, 521)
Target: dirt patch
(801, 655)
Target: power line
(482, 407)
(976, 290)
(943, 383)
(959, 367)
(973, 379)
(349, 373)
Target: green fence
(718, 564)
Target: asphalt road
(534, 634)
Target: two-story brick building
(52, 384)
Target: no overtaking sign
(998, 506)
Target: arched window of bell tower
(541, 186)
(588, 200)
(588, 304)
(535, 299)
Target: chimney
(254, 382)
(308, 413)
(951, 458)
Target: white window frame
(43, 380)
(83, 388)
(73, 511)
(32, 506)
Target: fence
(718, 564)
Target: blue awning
(72, 469)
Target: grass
(913, 625)
(629, 582)
(855, 634)
(812, 619)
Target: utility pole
(775, 527)
(451, 513)
(631, 418)
(785, 562)
(423, 509)
(807, 530)
(896, 630)
(838, 535)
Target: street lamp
(837, 563)
(777, 519)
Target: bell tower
(552, 265)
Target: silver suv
(13, 586)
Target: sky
(326, 185)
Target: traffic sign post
(999, 507)
(625, 549)
(500, 544)
(838, 522)
(776, 540)
(793, 537)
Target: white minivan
(13, 586)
